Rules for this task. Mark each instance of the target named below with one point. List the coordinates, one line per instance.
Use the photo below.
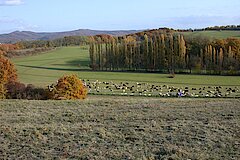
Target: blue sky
(64, 15)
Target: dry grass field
(108, 127)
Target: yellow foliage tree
(68, 87)
(7, 75)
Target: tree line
(150, 53)
(59, 42)
(165, 51)
(5, 48)
(214, 28)
(24, 48)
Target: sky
(65, 15)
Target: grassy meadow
(214, 34)
(105, 127)
(45, 69)
(120, 127)
(48, 67)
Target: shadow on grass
(44, 59)
(57, 69)
(76, 63)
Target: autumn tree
(68, 87)
(146, 51)
(7, 75)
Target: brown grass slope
(120, 128)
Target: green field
(45, 69)
(120, 128)
(214, 34)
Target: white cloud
(10, 2)
(9, 24)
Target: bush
(172, 75)
(16, 90)
(33, 93)
(68, 87)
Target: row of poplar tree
(166, 52)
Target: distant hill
(29, 36)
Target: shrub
(33, 93)
(172, 75)
(16, 90)
(68, 87)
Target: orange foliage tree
(7, 75)
(68, 87)
(5, 48)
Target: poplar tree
(146, 51)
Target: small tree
(7, 75)
(68, 87)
